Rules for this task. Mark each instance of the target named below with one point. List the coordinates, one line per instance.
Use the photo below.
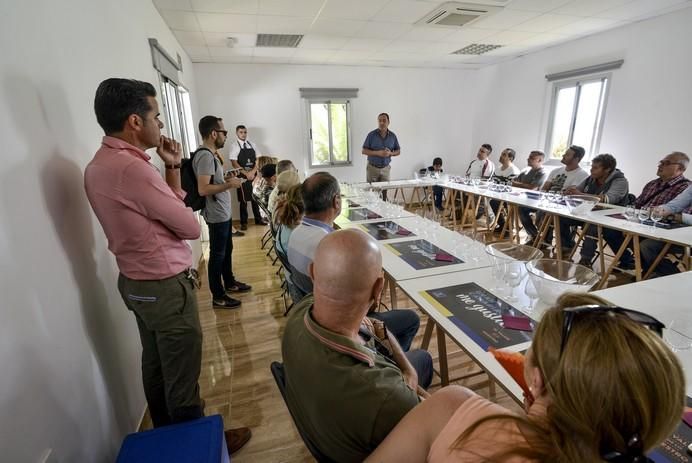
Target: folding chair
(277, 369)
(271, 232)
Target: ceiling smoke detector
(278, 40)
(476, 49)
(455, 14)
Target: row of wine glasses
(500, 187)
(552, 199)
(644, 214)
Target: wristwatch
(172, 166)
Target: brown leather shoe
(236, 438)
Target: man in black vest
(243, 155)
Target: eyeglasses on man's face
(224, 132)
(667, 162)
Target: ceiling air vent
(476, 49)
(278, 40)
(454, 14)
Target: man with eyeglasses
(243, 155)
(212, 184)
(680, 211)
(671, 182)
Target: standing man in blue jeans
(212, 184)
(380, 146)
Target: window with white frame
(188, 124)
(328, 117)
(175, 99)
(178, 114)
(329, 132)
(577, 113)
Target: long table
(448, 241)
(633, 232)
(416, 290)
(646, 296)
(369, 211)
(418, 188)
(413, 256)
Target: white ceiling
(383, 33)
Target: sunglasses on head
(639, 317)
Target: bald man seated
(345, 390)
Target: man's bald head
(347, 268)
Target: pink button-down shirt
(145, 221)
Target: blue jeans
(437, 195)
(649, 249)
(614, 239)
(567, 228)
(403, 324)
(421, 361)
(220, 267)
(527, 222)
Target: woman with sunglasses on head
(603, 387)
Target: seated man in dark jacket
(346, 385)
(610, 185)
(436, 169)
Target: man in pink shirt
(147, 225)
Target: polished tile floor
(239, 346)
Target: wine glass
(630, 212)
(559, 199)
(464, 245)
(498, 274)
(472, 251)
(456, 243)
(644, 214)
(532, 294)
(656, 215)
(514, 273)
(542, 199)
(676, 340)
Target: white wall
(69, 349)
(431, 110)
(649, 110)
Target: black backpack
(188, 181)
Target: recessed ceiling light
(476, 49)
(278, 40)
